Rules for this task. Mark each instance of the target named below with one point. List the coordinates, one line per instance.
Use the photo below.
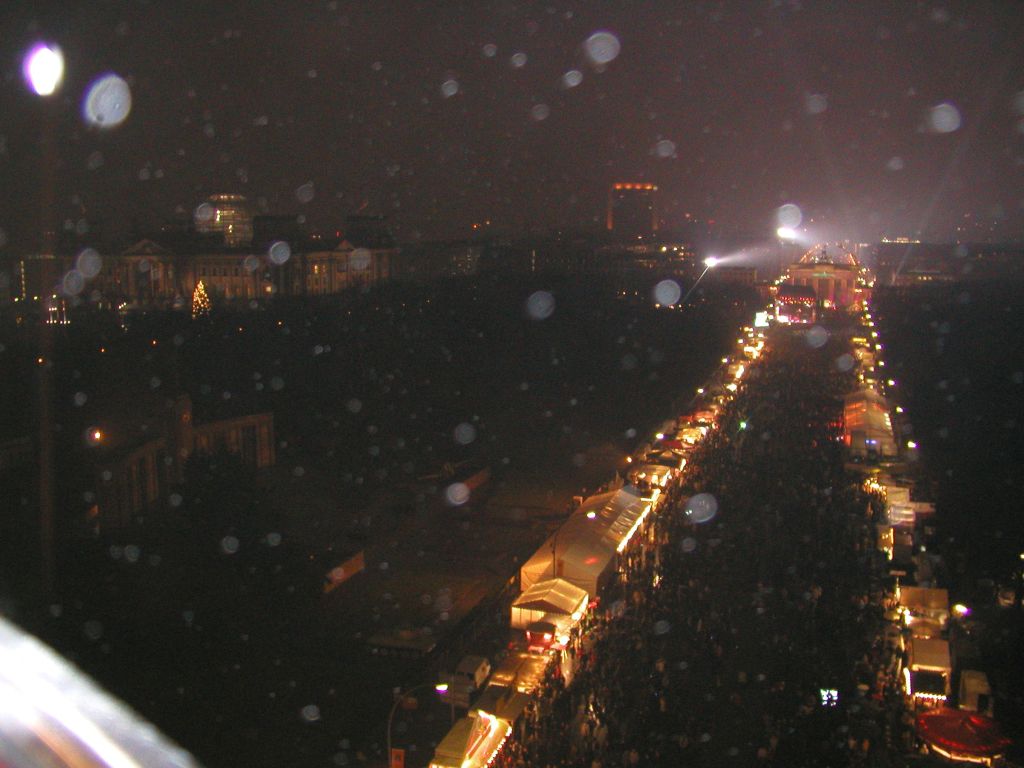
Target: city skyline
(523, 115)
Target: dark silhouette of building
(135, 477)
(632, 209)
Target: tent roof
(962, 732)
(585, 545)
(502, 701)
(552, 596)
(924, 598)
(930, 653)
(453, 745)
(866, 394)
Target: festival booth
(925, 610)
(551, 599)
(504, 702)
(926, 678)
(962, 736)
(473, 742)
(648, 476)
(670, 460)
(867, 426)
(521, 670)
(584, 550)
(691, 434)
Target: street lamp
(439, 687)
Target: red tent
(961, 735)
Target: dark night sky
(822, 104)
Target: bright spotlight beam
(709, 263)
(787, 233)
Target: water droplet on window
(107, 102)
(602, 47)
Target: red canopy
(960, 732)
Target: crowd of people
(754, 638)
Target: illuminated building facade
(633, 209)
(227, 215)
(795, 304)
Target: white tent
(867, 426)
(584, 549)
(472, 742)
(551, 597)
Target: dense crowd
(755, 638)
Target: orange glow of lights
(643, 187)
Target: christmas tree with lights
(200, 301)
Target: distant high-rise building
(632, 209)
(227, 215)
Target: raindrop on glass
(665, 148)
(572, 78)
(667, 292)
(465, 434)
(449, 88)
(107, 102)
(701, 507)
(816, 337)
(456, 494)
(789, 215)
(229, 545)
(602, 47)
(279, 252)
(815, 103)
(72, 283)
(89, 263)
(943, 118)
(540, 305)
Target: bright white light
(911, 444)
(44, 69)
(786, 233)
(711, 261)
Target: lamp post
(43, 68)
(445, 689)
(709, 263)
(398, 700)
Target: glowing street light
(44, 69)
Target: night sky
(876, 118)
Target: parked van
(473, 672)
(975, 693)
